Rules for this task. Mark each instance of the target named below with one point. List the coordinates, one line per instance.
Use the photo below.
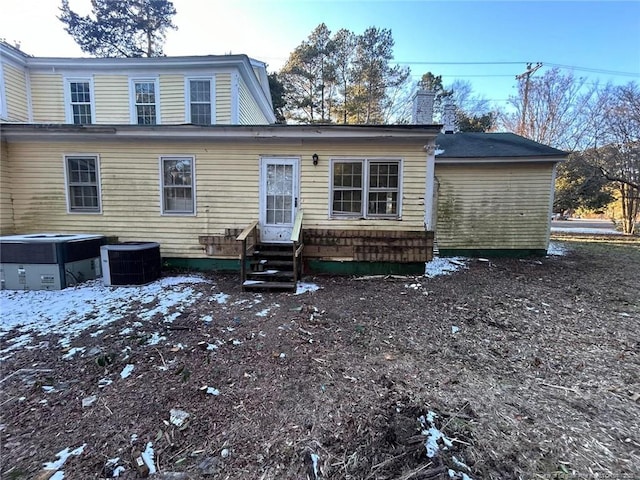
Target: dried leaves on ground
(505, 369)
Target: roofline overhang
(499, 160)
(53, 132)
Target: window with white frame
(83, 183)
(79, 95)
(145, 102)
(199, 101)
(365, 188)
(178, 186)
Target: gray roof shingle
(492, 145)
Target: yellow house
(183, 151)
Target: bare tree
(556, 112)
(616, 149)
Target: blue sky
(597, 38)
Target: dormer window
(145, 102)
(199, 101)
(79, 95)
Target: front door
(278, 198)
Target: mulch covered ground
(507, 369)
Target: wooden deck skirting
(369, 245)
(349, 245)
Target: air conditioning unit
(49, 261)
(130, 263)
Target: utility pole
(525, 100)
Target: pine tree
(120, 28)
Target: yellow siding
(15, 85)
(249, 112)
(223, 98)
(493, 206)
(47, 98)
(111, 96)
(6, 207)
(227, 177)
(172, 99)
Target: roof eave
(219, 132)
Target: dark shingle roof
(491, 145)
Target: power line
(558, 65)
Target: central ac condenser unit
(48, 261)
(130, 263)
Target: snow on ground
(70, 311)
(444, 266)
(587, 231)
(92, 306)
(557, 249)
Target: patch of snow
(221, 298)
(557, 249)
(104, 382)
(126, 371)
(588, 231)
(48, 389)
(314, 461)
(70, 311)
(454, 329)
(118, 470)
(147, 456)
(155, 339)
(72, 352)
(443, 266)
(207, 318)
(213, 391)
(263, 313)
(63, 455)
(306, 287)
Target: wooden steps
(271, 267)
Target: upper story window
(177, 184)
(199, 101)
(79, 95)
(82, 174)
(145, 108)
(365, 188)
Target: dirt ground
(513, 369)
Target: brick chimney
(423, 107)
(449, 118)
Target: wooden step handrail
(298, 245)
(251, 229)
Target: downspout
(429, 186)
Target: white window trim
(66, 182)
(193, 184)
(187, 96)
(68, 110)
(366, 161)
(132, 97)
